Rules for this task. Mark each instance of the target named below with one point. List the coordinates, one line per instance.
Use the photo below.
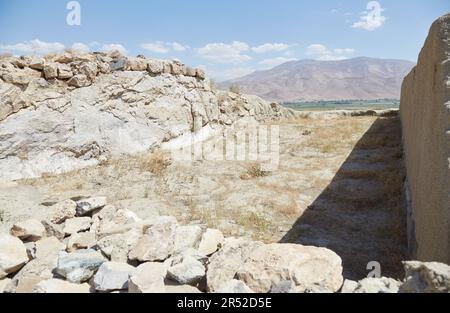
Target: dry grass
(155, 163)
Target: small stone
(211, 241)
(191, 72)
(86, 206)
(187, 237)
(148, 278)
(117, 246)
(13, 255)
(50, 71)
(377, 285)
(189, 272)
(113, 276)
(234, 286)
(60, 286)
(31, 249)
(29, 230)
(54, 230)
(155, 66)
(63, 211)
(79, 81)
(48, 246)
(77, 224)
(79, 266)
(64, 71)
(79, 241)
(349, 286)
(200, 74)
(37, 63)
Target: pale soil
(338, 187)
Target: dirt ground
(339, 185)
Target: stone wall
(425, 114)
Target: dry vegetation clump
(254, 171)
(155, 163)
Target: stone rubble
(150, 256)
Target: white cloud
(157, 47)
(179, 47)
(269, 63)
(270, 47)
(322, 53)
(225, 53)
(163, 47)
(114, 46)
(227, 74)
(34, 46)
(372, 18)
(79, 46)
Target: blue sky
(227, 38)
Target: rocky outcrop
(425, 115)
(72, 110)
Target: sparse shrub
(254, 171)
(235, 89)
(155, 163)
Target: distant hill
(359, 78)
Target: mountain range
(359, 78)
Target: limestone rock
(86, 206)
(64, 72)
(377, 285)
(200, 74)
(181, 289)
(234, 286)
(187, 237)
(79, 266)
(188, 272)
(212, 239)
(148, 278)
(136, 64)
(310, 268)
(60, 286)
(113, 276)
(79, 81)
(77, 224)
(37, 63)
(349, 286)
(117, 246)
(4, 284)
(157, 244)
(29, 230)
(224, 264)
(50, 70)
(431, 277)
(53, 230)
(13, 255)
(155, 66)
(48, 246)
(63, 211)
(79, 241)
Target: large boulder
(189, 272)
(113, 276)
(28, 230)
(148, 278)
(224, 264)
(311, 269)
(13, 255)
(187, 237)
(157, 244)
(79, 266)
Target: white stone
(86, 206)
(79, 241)
(234, 286)
(113, 276)
(29, 230)
(148, 278)
(211, 241)
(48, 246)
(79, 266)
(77, 224)
(187, 237)
(60, 286)
(189, 271)
(13, 255)
(62, 211)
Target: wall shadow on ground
(361, 214)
